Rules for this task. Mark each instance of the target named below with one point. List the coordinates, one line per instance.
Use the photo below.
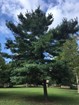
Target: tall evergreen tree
(28, 45)
(30, 29)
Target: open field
(34, 96)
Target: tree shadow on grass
(39, 98)
(52, 98)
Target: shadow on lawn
(52, 98)
(35, 98)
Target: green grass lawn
(34, 96)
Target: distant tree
(70, 55)
(61, 73)
(4, 72)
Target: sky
(9, 9)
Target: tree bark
(77, 79)
(45, 89)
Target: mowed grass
(34, 96)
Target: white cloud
(4, 31)
(59, 9)
(12, 8)
(3, 28)
(65, 9)
(29, 4)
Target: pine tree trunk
(77, 79)
(45, 89)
